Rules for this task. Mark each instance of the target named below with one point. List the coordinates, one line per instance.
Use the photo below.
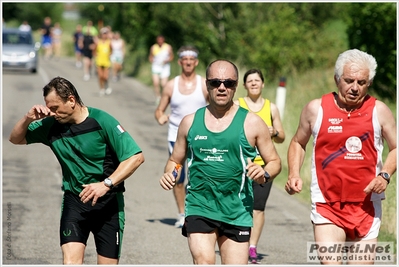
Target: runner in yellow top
(103, 60)
(254, 83)
(265, 114)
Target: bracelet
(276, 134)
(267, 177)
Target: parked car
(19, 51)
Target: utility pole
(280, 96)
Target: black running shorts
(199, 224)
(106, 220)
(261, 194)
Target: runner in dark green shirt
(96, 155)
(88, 152)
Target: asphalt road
(32, 180)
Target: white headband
(188, 53)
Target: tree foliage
(279, 38)
(32, 12)
(270, 36)
(372, 28)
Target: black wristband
(267, 177)
(276, 134)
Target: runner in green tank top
(213, 159)
(219, 143)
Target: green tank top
(218, 187)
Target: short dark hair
(252, 71)
(63, 88)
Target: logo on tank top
(354, 144)
(334, 129)
(213, 154)
(335, 120)
(201, 137)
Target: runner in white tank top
(185, 94)
(183, 104)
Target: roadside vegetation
(298, 41)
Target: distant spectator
(46, 38)
(25, 27)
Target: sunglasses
(227, 83)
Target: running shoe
(179, 221)
(253, 256)
(108, 91)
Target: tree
(372, 28)
(271, 36)
(34, 13)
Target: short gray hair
(358, 58)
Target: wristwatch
(108, 183)
(385, 175)
(267, 177)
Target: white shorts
(117, 59)
(162, 70)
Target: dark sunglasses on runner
(217, 82)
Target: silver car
(19, 51)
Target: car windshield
(17, 38)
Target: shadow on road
(167, 221)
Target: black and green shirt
(89, 151)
